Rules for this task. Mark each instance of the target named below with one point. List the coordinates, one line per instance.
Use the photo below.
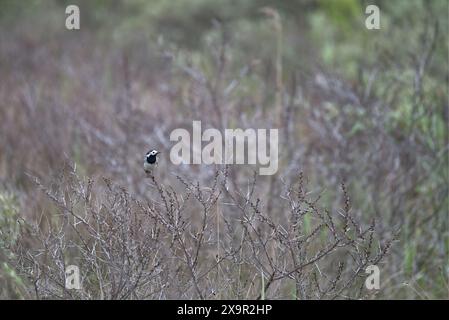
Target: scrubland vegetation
(363, 167)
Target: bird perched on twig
(150, 161)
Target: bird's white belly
(148, 166)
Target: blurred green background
(367, 105)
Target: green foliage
(409, 258)
(9, 226)
(9, 233)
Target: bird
(150, 161)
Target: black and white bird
(150, 161)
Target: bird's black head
(151, 156)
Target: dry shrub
(181, 241)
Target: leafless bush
(183, 242)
